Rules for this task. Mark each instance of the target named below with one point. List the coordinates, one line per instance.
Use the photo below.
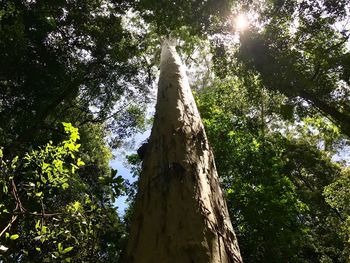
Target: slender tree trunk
(180, 212)
(339, 118)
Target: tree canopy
(76, 79)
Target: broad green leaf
(14, 237)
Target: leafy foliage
(274, 180)
(200, 17)
(48, 212)
(263, 100)
(65, 58)
(301, 51)
(337, 196)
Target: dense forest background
(77, 78)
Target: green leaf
(37, 225)
(66, 250)
(44, 166)
(231, 134)
(60, 248)
(80, 162)
(44, 229)
(14, 237)
(14, 162)
(76, 205)
(4, 188)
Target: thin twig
(14, 217)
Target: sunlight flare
(241, 22)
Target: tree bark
(180, 212)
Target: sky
(120, 163)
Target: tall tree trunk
(180, 212)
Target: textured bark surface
(180, 212)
